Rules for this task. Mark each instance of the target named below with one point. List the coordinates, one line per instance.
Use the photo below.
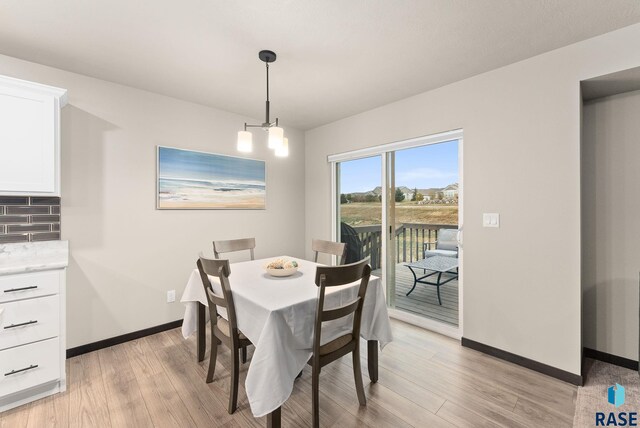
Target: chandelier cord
(267, 103)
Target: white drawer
(27, 285)
(29, 365)
(26, 321)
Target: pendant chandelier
(276, 138)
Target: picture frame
(191, 179)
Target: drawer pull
(21, 324)
(12, 290)
(12, 372)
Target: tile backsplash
(29, 218)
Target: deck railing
(410, 240)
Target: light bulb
(283, 150)
(244, 141)
(276, 134)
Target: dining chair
(223, 330)
(233, 245)
(323, 354)
(329, 247)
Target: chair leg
(357, 374)
(244, 354)
(212, 358)
(235, 374)
(315, 388)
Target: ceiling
(336, 58)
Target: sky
(435, 165)
(186, 164)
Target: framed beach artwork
(187, 179)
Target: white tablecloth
(277, 315)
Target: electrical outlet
(171, 296)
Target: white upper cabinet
(30, 138)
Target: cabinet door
(28, 137)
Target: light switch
(491, 220)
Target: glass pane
(360, 209)
(423, 209)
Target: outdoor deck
(423, 300)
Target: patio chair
(350, 237)
(446, 244)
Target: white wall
(521, 159)
(611, 224)
(125, 254)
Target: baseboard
(610, 358)
(101, 344)
(557, 373)
(425, 323)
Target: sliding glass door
(422, 270)
(400, 206)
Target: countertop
(33, 256)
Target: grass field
(363, 213)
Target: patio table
(437, 265)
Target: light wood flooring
(425, 380)
(423, 300)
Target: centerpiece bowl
(281, 267)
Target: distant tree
(343, 198)
(399, 195)
(349, 197)
(370, 198)
(414, 197)
(419, 197)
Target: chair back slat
(233, 245)
(344, 275)
(341, 312)
(329, 247)
(215, 299)
(212, 267)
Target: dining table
(278, 314)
